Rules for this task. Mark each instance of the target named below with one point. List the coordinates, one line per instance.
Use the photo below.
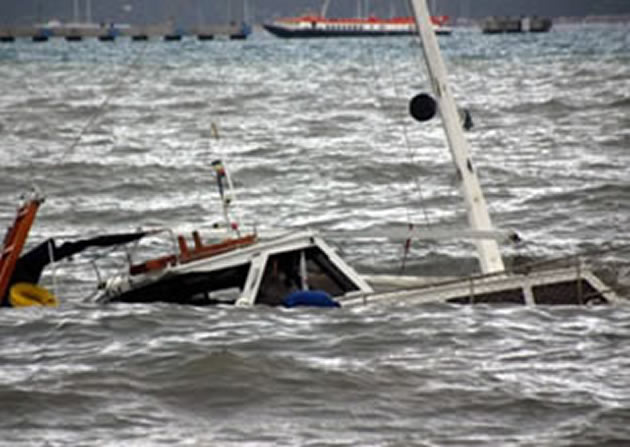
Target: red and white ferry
(320, 26)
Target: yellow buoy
(24, 294)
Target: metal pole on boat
(478, 216)
(324, 9)
(88, 11)
(246, 12)
(231, 198)
(76, 11)
(227, 195)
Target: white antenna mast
(226, 190)
(324, 9)
(88, 11)
(246, 12)
(76, 11)
(478, 216)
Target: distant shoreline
(562, 20)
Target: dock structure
(500, 25)
(209, 32)
(111, 32)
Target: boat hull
(555, 288)
(314, 26)
(285, 32)
(568, 286)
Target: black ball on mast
(422, 107)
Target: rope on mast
(411, 153)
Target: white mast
(76, 11)
(246, 12)
(478, 217)
(324, 9)
(88, 11)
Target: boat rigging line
(410, 150)
(105, 102)
(411, 154)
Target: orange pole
(14, 242)
(197, 238)
(183, 247)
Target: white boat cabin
(303, 264)
(263, 272)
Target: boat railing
(568, 268)
(130, 254)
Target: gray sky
(215, 11)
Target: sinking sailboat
(21, 271)
(301, 268)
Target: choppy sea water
(316, 134)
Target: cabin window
(324, 275)
(567, 293)
(513, 296)
(220, 286)
(283, 275)
(197, 288)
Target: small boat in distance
(320, 26)
(500, 25)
